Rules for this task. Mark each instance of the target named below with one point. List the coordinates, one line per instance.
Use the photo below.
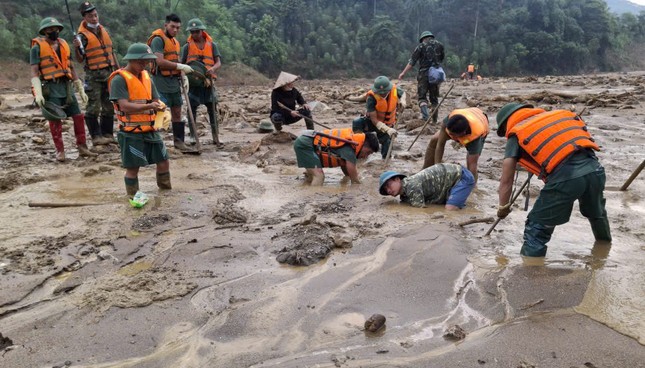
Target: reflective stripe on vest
(139, 91)
(477, 121)
(548, 138)
(386, 108)
(204, 55)
(324, 145)
(170, 51)
(98, 52)
(51, 66)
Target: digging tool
(430, 116)
(304, 117)
(528, 193)
(633, 176)
(60, 205)
(514, 197)
(81, 49)
(217, 143)
(192, 121)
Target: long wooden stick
(430, 116)
(304, 117)
(517, 194)
(60, 205)
(192, 118)
(633, 176)
(487, 220)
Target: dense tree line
(324, 38)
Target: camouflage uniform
(428, 53)
(431, 185)
(98, 103)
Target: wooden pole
(430, 117)
(304, 117)
(191, 117)
(512, 201)
(633, 176)
(60, 205)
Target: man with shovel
(170, 75)
(201, 53)
(333, 148)
(555, 146)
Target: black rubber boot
(93, 127)
(178, 135)
(107, 127)
(131, 186)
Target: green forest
(333, 38)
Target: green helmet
(196, 78)
(195, 25)
(382, 85)
(505, 113)
(49, 22)
(53, 112)
(139, 51)
(424, 35)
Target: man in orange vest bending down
(468, 127)
(333, 148)
(555, 146)
(99, 63)
(136, 102)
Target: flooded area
(200, 276)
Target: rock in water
(455, 333)
(375, 322)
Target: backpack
(436, 75)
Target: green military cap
(505, 113)
(49, 22)
(53, 112)
(195, 25)
(424, 35)
(382, 85)
(139, 51)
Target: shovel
(517, 194)
(304, 117)
(191, 122)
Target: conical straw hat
(285, 78)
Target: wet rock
(103, 255)
(524, 364)
(455, 333)
(148, 222)
(5, 342)
(342, 240)
(375, 323)
(609, 127)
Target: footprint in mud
(147, 222)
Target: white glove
(386, 129)
(38, 91)
(184, 68)
(78, 87)
(402, 102)
(184, 82)
(391, 132)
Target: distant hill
(624, 6)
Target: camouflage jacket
(431, 185)
(428, 54)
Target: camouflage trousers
(424, 88)
(96, 88)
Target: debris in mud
(278, 137)
(310, 244)
(35, 257)
(524, 364)
(97, 170)
(375, 323)
(147, 222)
(339, 205)
(455, 333)
(249, 150)
(229, 214)
(5, 342)
(339, 361)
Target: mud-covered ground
(203, 275)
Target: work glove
(38, 91)
(184, 82)
(402, 101)
(504, 210)
(386, 129)
(184, 68)
(78, 87)
(391, 132)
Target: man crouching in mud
(448, 184)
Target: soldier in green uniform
(99, 62)
(201, 52)
(429, 53)
(136, 102)
(448, 184)
(53, 77)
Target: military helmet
(385, 177)
(49, 22)
(86, 7)
(195, 25)
(382, 85)
(53, 112)
(197, 77)
(265, 126)
(505, 113)
(424, 35)
(139, 51)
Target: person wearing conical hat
(99, 62)
(285, 93)
(53, 77)
(202, 53)
(429, 53)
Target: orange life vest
(477, 121)
(386, 107)
(170, 51)
(323, 145)
(548, 138)
(98, 52)
(471, 68)
(139, 91)
(204, 55)
(51, 66)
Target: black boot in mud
(163, 180)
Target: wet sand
(191, 279)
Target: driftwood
(60, 205)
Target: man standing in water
(429, 53)
(136, 102)
(557, 147)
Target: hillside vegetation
(332, 38)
